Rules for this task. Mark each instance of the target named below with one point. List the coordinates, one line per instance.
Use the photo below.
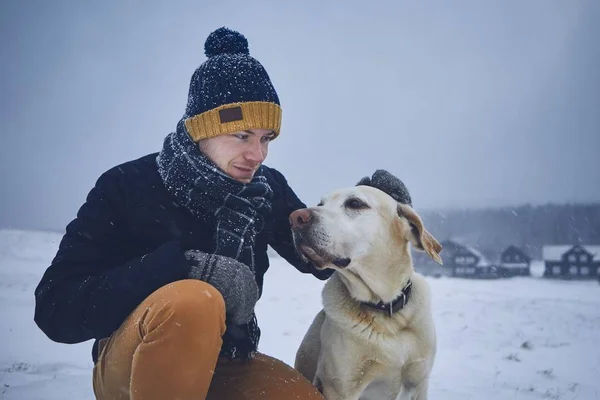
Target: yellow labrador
(375, 337)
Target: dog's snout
(300, 218)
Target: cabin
(572, 261)
(427, 267)
(514, 262)
(467, 262)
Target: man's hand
(389, 184)
(234, 280)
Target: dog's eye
(355, 204)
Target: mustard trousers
(168, 348)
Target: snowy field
(521, 338)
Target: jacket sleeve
(87, 292)
(281, 236)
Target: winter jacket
(127, 241)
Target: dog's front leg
(420, 392)
(342, 371)
(338, 391)
(339, 381)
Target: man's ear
(419, 237)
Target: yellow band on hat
(234, 117)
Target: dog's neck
(394, 306)
(383, 283)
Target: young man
(164, 262)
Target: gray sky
(471, 103)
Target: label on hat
(231, 114)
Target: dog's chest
(381, 340)
(392, 351)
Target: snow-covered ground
(520, 338)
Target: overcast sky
(471, 103)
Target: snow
(518, 338)
(456, 244)
(555, 253)
(514, 265)
(483, 261)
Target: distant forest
(528, 227)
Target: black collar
(396, 305)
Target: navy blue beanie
(231, 91)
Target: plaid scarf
(210, 194)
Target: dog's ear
(419, 237)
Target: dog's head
(356, 224)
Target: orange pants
(168, 348)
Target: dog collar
(396, 305)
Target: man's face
(238, 154)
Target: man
(164, 262)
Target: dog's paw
(388, 183)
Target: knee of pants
(191, 301)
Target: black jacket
(127, 241)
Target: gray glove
(234, 280)
(389, 184)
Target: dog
(375, 336)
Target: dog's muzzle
(302, 222)
(301, 219)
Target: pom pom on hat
(225, 41)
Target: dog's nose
(300, 217)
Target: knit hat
(230, 91)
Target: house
(427, 267)
(467, 262)
(514, 262)
(572, 261)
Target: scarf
(210, 194)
